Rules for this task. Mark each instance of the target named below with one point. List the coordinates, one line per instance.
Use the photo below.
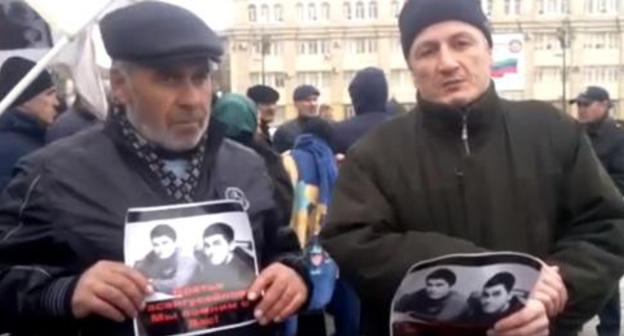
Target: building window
(359, 10)
(252, 13)
(557, 7)
(548, 75)
(601, 6)
(512, 7)
(364, 46)
(264, 13)
(346, 8)
(601, 41)
(394, 8)
(313, 47)
(312, 12)
(299, 11)
(372, 10)
(486, 5)
(278, 13)
(548, 42)
(320, 79)
(325, 11)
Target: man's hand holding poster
(462, 294)
(200, 260)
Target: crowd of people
(339, 210)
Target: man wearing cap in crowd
(265, 98)
(306, 103)
(467, 171)
(607, 137)
(23, 125)
(62, 216)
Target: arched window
(278, 13)
(325, 11)
(264, 13)
(346, 8)
(299, 10)
(359, 10)
(312, 12)
(394, 8)
(252, 13)
(372, 9)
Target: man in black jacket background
(607, 137)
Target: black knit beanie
(417, 15)
(13, 70)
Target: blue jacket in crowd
(369, 94)
(20, 134)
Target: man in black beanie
(265, 98)
(23, 125)
(467, 171)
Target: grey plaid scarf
(180, 188)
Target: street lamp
(265, 46)
(562, 36)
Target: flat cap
(157, 32)
(263, 94)
(305, 91)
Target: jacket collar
(15, 121)
(448, 121)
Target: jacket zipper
(464, 133)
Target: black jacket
(71, 122)
(369, 95)
(65, 210)
(285, 135)
(19, 135)
(607, 137)
(525, 180)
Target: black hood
(369, 91)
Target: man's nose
(190, 95)
(447, 60)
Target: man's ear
(120, 86)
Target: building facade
(285, 43)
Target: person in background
(327, 113)
(238, 114)
(369, 95)
(265, 98)
(24, 124)
(607, 137)
(77, 118)
(306, 103)
(313, 170)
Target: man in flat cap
(265, 98)
(62, 217)
(306, 103)
(607, 137)
(24, 124)
(467, 171)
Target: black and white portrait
(221, 257)
(176, 248)
(21, 27)
(465, 292)
(165, 265)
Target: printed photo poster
(200, 259)
(508, 69)
(462, 294)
